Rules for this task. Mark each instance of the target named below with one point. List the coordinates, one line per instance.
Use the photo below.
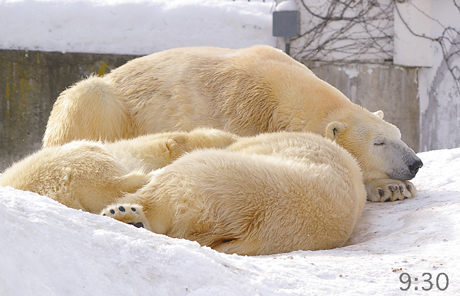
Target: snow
(133, 26)
(286, 5)
(49, 249)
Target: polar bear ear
(379, 114)
(333, 129)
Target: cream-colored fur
(90, 175)
(267, 194)
(91, 110)
(81, 175)
(246, 92)
(151, 152)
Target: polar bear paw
(384, 190)
(128, 213)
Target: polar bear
(90, 175)
(272, 193)
(246, 91)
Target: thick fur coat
(246, 91)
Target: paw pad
(129, 214)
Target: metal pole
(287, 40)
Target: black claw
(104, 214)
(122, 209)
(112, 211)
(401, 188)
(409, 187)
(391, 188)
(388, 199)
(138, 224)
(381, 193)
(133, 209)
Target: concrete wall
(343, 31)
(439, 85)
(30, 82)
(422, 33)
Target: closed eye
(379, 142)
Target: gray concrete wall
(439, 92)
(392, 89)
(30, 82)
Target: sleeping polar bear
(89, 175)
(268, 194)
(271, 193)
(246, 91)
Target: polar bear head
(376, 144)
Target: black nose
(415, 166)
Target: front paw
(128, 213)
(383, 190)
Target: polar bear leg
(134, 181)
(128, 213)
(93, 110)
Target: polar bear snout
(403, 163)
(408, 169)
(415, 166)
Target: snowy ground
(133, 26)
(48, 249)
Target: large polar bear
(247, 91)
(90, 175)
(272, 193)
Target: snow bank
(133, 26)
(48, 249)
